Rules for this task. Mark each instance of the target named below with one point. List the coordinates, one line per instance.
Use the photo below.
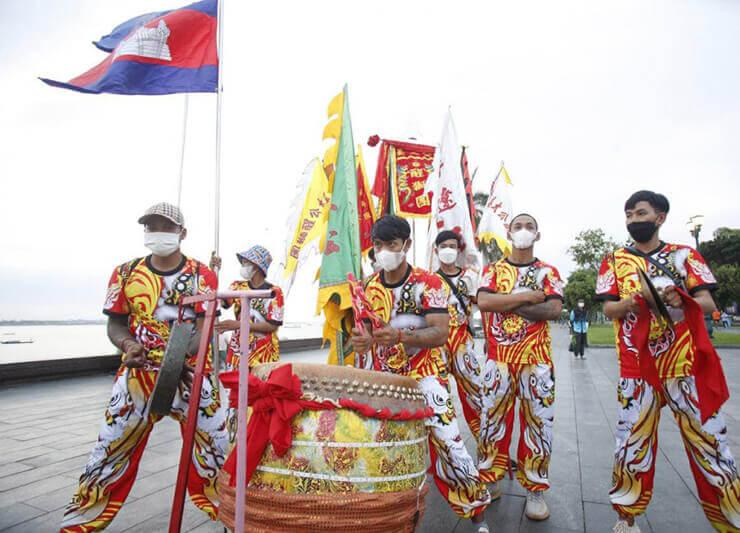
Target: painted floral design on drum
(319, 463)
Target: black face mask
(642, 231)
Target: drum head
(378, 389)
(170, 371)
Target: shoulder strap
(677, 280)
(453, 287)
(126, 269)
(196, 280)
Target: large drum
(346, 471)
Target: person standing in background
(579, 328)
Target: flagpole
(219, 103)
(241, 462)
(182, 150)
(413, 239)
(215, 353)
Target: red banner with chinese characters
(401, 177)
(365, 209)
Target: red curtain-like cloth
(711, 385)
(275, 402)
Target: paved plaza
(48, 428)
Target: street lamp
(694, 225)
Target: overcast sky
(585, 101)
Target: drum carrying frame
(178, 501)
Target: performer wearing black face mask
(644, 231)
(662, 364)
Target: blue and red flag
(157, 53)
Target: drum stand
(186, 453)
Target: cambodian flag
(108, 43)
(157, 53)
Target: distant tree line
(587, 251)
(723, 255)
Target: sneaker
(536, 508)
(622, 526)
(495, 491)
(583, 356)
(482, 527)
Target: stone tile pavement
(47, 429)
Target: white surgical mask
(447, 255)
(388, 260)
(523, 239)
(581, 305)
(247, 272)
(162, 243)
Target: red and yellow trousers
(261, 350)
(452, 467)
(463, 364)
(111, 470)
(534, 386)
(712, 465)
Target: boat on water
(16, 341)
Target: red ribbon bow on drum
(711, 385)
(274, 404)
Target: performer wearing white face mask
(519, 294)
(414, 305)
(265, 316)
(142, 302)
(459, 350)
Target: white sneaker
(536, 508)
(622, 526)
(482, 528)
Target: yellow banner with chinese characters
(311, 223)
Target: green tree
(728, 279)
(581, 285)
(723, 249)
(590, 248)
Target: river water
(65, 341)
